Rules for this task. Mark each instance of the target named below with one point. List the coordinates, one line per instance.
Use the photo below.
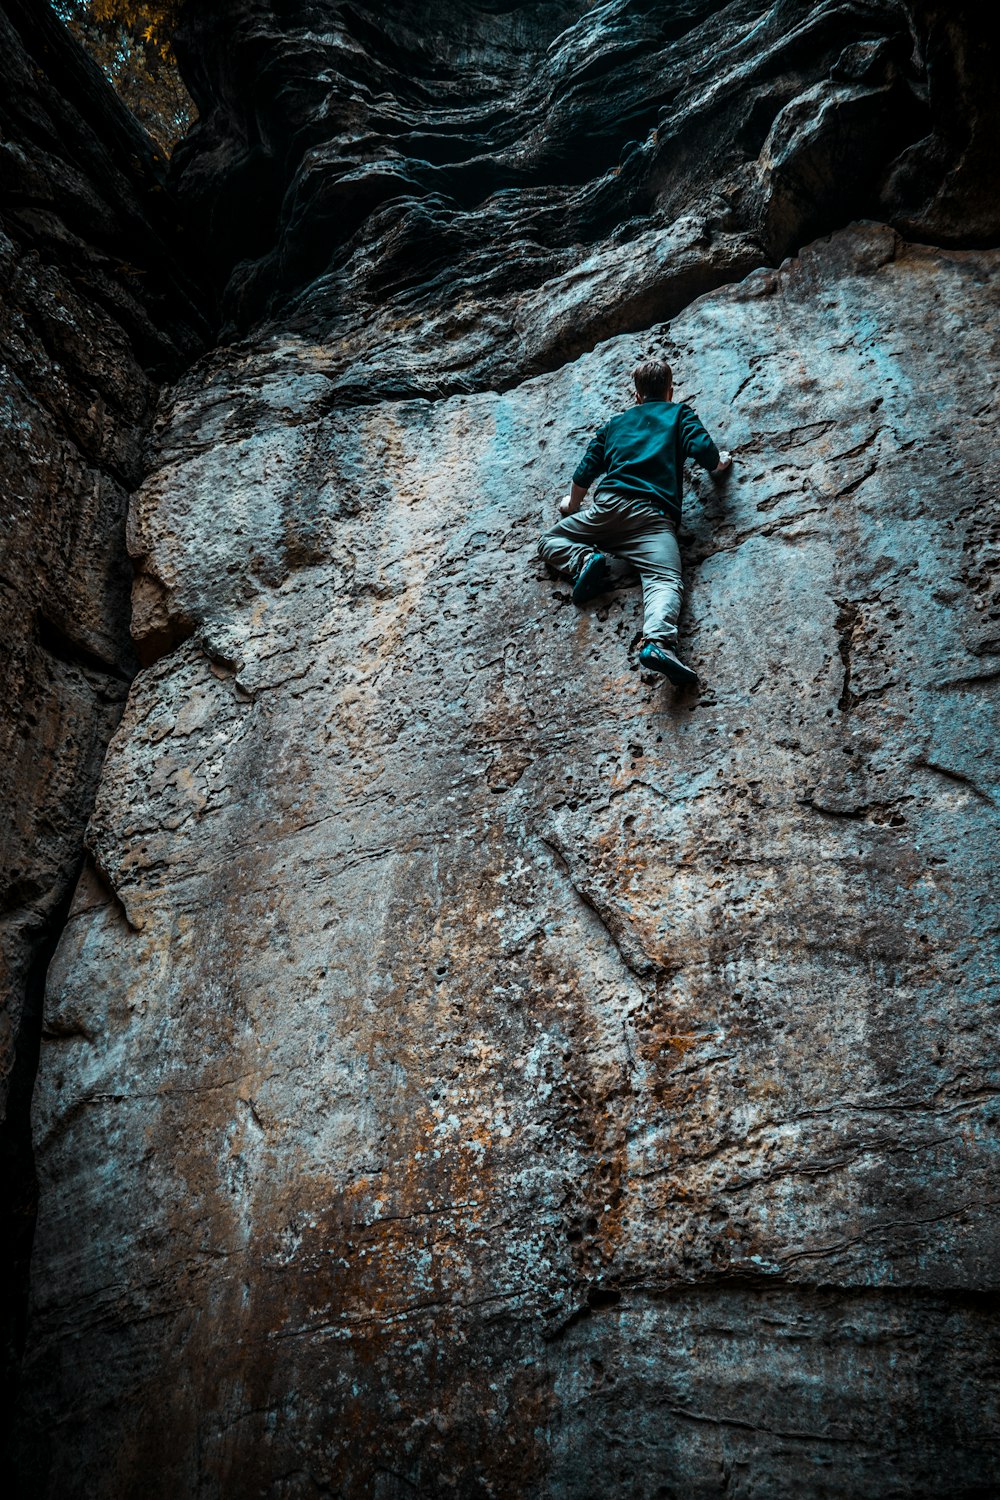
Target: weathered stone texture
(471, 1069)
(454, 196)
(89, 304)
(485, 1072)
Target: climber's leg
(568, 544)
(657, 557)
(652, 548)
(646, 539)
(662, 586)
(634, 530)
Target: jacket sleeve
(593, 462)
(696, 442)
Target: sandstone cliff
(471, 1068)
(93, 310)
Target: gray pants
(634, 530)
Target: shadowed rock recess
(92, 311)
(472, 1069)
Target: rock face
(494, 1074)
(454, 196)
(472, 1069)
(90, 303)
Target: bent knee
(661, 573)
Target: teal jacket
(642, 452)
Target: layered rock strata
(480, 1071)
(92, 307)
(454, 196)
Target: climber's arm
(594, 462)
(699, 446)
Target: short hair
(653, 379)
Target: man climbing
(636, 510)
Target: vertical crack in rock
(847, 620)
(630, 953)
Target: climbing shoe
(592, 579)
(656, 657)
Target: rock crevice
(95, 308)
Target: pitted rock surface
(480, 1070)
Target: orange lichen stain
(768, 1088)
(186, 783)
(663, 1044)
(681, 1043)
(385, 1279)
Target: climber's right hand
(725, 464)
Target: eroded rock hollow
(471, 1068)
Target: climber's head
(654, 380)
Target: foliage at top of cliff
(133, 44)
